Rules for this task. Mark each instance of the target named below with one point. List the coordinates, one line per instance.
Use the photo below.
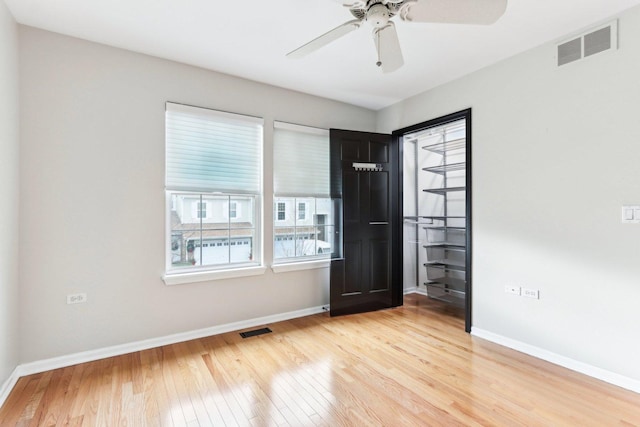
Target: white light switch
(631, 214)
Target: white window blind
(301, 161)
(208, 150)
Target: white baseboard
(8, 385)
(410, 290)
(574, 365)
(117, 350)
(415, 290)
(92, 355)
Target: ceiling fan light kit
(378, 13)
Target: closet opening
(437, 238)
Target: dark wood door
(366, 273)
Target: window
(301, 184)
(201, 209)
(231, 210)
(281, 214)
(213, 184)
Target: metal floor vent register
(255, 332)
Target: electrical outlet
(515, 290)
(531, 293)
(76, 298)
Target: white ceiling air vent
(599, 39)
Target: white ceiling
(250, 39)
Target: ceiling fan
(379, 13)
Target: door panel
(367, 274)
(350, 150)
(379, 261)
(353, 269)
(379, 197)
(378, 153)
(351, 197)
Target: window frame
(301, 213)
(227, 209)
(200, 208)
(283, 212)
(189, 274)
(299, 262)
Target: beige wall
(92, 196)
(9, 151)
(556, 153)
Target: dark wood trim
(397, 218)
(469, 223)
(463, 114)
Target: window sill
(205, 276)
(297, 266)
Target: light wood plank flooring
(410, 366)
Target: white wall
(9, 151)
(92, 196)
(556, 152)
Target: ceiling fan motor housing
(378, 15)
(376, 12)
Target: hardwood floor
(410, 366)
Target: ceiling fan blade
(388, 48)
(325, 39)
(353, 4)
(481, 12)
(362, 4)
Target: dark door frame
(397, 135)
